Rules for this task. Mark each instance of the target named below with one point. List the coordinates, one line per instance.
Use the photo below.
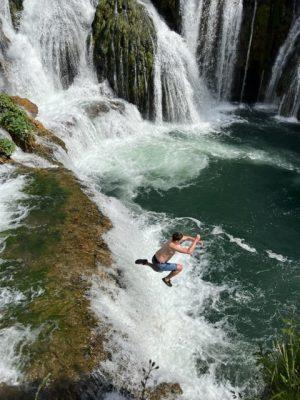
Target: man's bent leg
(179, 268)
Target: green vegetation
(124, 47)
(16, 122)
(282, 366)
(7, 147)
(53, 254)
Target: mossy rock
(7, 147)
(58, 249)
(124, 49)
(16, 122)
(16, 8)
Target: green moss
(124, 47)
(58, 242)
(16, 122)
(7, 147)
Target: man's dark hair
(177, 236)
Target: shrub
(7, 147)
(282, 365)
(16, 122)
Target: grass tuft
(282, 365)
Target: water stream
(151, 178)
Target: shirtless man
(162, 256)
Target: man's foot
(141, 261)
(167, 282)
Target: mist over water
(209, 169)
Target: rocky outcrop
(272, 23)
(17, 118)
(16, 8)
(170, 11)
(124, 51)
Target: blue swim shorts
(161, 267)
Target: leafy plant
(282, 365)
(146, 376)
(16, 122)
(7, 147)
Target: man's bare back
(165, 253)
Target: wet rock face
(4, 44)
(170, 11)
(124, 48)
(272, 23)
(16, 8)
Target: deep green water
(254, 201)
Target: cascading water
(248, 51)
(286, 65)
(180, 95)
(116, 153)
(212, 31)
(59, 33)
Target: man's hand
(198, 238)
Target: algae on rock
(16, 8)
(124, 51)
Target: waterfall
(284, 54)
(59, 35)
(191, 16)
(179, 92)
(5, 12)
(212, 31)
(248, 51)
(116, 150)
(290, 103)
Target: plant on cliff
(16, 122)
(146, 376)
(282, 365)
(7, 147)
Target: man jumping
(162, 256)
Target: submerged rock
(124, 48)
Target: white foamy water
(12, 212)
(115, 151)
(211, 30)
(12, 340)
(278, 257)
(152, 322)
(176, 76)
(217, 230)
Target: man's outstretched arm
(191, 239)
(186, 250)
